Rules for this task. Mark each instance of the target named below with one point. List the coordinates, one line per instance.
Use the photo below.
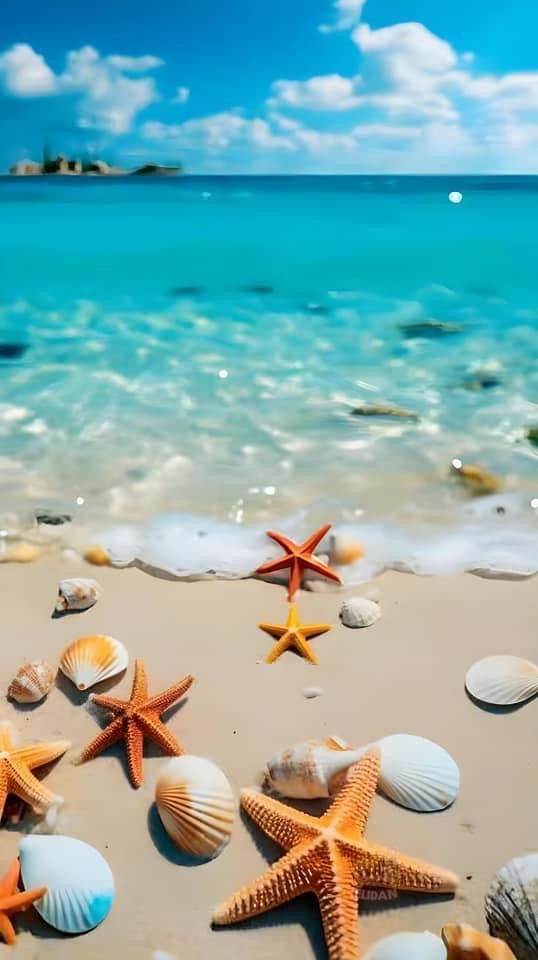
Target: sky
(290, 86)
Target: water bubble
(79, 501)
(223, 374)
(455, 196)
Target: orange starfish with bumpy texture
(293, 634)
(136, 718)
(299, 556)
(331, 858)
(13, 902)
(16, 766)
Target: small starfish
(331, 858)
(136, 718)
(16, 766)
(293, 634)
(13, 902)
(298, 556)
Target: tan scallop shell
(465, 943)
(502, 680)
(32, 682)
(359, 612)
(196, 805)
(79, 593)
(89, 660)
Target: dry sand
(405, 674)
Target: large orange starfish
(293, 634)
(136, 718)
(330, 858)
(16, 766)
(13, 902)
(298, 556)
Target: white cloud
(329, 92)
(134, 64)
(348, 13)
(26, 73)
(263, 137)
(182, 95)
(385, 132)
(214, 133)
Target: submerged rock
(532, 434)
(482, 382)
(155, 169)
(430, 328)
(262, 288)
(383, 410)
(52, 519)
(12, 351)
(476, 479)
(189, 290)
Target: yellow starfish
(13, 902)
(16, 766)
(293, 634)
(330, 858)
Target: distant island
(61, 166)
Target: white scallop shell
(512, 906)
(315, 768)
(196, 805)
(32, 682)
(77, 594)
(417, 773)
(408, 946)
(502, 680)
(89, 660)
(359, 612)
(79, 882)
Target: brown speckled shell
(32, 682)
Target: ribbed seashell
(465, 943)
(196, 805)
(32, 682)
(512, 906)
(94, 658)
(77, 594)
(408, 946)
(502, 680)
(417, 773)
(359, 612)
(79, 881)
(315, 768)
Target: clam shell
(313, 769)
(359, 612)
(512, 906)
(502, 680)
(77, 594)
(417, 773)
(79, 882)
(465, 943)
(94, 658)
(408, 946)
(196, 805)
(32, 682)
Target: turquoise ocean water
(197, 345)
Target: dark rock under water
(189, 290)
(384, 410)
(52, 519)
(12, 351)
(430, 328)
(262, 288)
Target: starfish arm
(283, 541)
(285, 880)
(276, 630)
(338, 896)
(3, 786)
(283, 824)
(6, 738)
(311, 543)
(134, 746)
(156, 731)
(386, 868)
(296, 575)
(162, 701)
(279, 648)
(7, 931)
(304, 648)
(38, 754)
(22, 901)
(349, 812)
(315, 629)
(8, 883)
(140, 682)
(112, 704)
(272, 566)
(109, 736)
(319, 567)
(24, 785)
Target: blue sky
(287, 87)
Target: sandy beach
(403, 675)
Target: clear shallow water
(154, 377)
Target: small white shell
(502, 680)
(310, 693)
(79, 882)
(32, 682)
(77, 594)
(315, 768)
(196, 805)
(408, 946)
(89, 660)
(511, 906)
(417, 773)
(359, 612)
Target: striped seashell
(77, 594)
(32, 682)
(417, 773)
(502, 680)
(511, 906)
(465, 943)
(89, 660)
(313, 769)
(196, 805)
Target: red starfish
(298, 556)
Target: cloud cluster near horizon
(415, 103)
